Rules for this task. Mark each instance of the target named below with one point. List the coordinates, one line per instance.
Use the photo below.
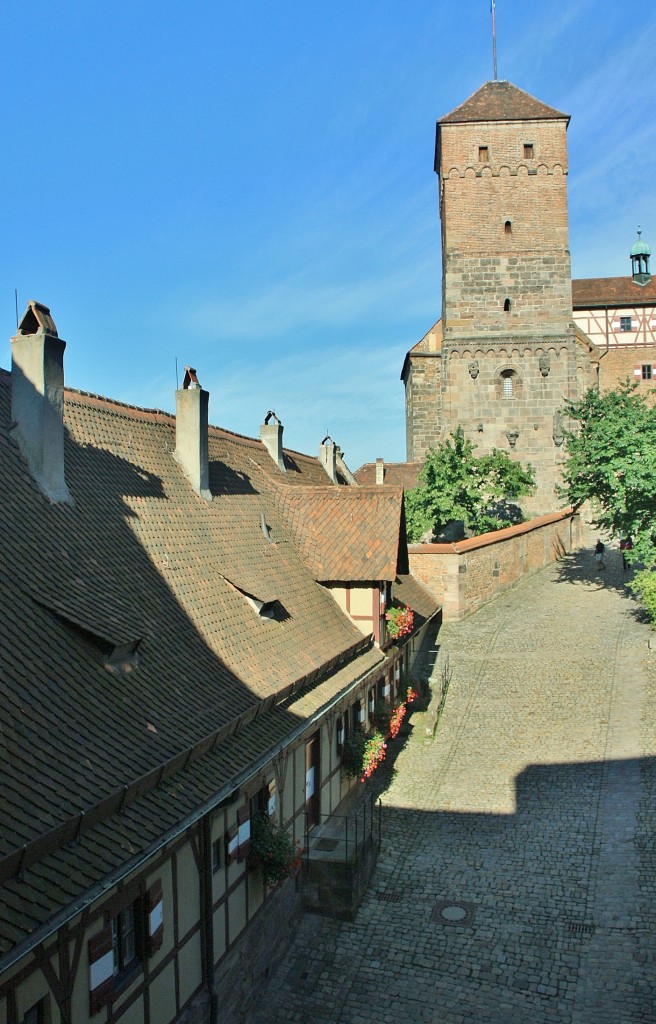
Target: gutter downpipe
(207, 914)
(603, 353)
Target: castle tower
(508, 356)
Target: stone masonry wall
(618, 364)
(466, 575)
(527, 424)
(423, 404)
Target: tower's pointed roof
(502, 101)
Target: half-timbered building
(618, 314)
(188, 618)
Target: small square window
(647, 371)
(483, 154)
(528, 150)
(626, 323)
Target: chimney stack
(37, 399)
(191, 420)
(271, 437)
(380, 472)
(328, 457)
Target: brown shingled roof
(501, 101)
(139, 556)
(397, 474)
(347, 534)
(597, 292)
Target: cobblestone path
(533, 810)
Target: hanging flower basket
(274, 850)
(362, 754)
(400, 621)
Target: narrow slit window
(508, 227)
(506, 306)
(483, 154)
(528, 150)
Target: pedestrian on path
(600, 549)
(626, 544)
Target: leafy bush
(274, 850)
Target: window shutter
(155, 917)
(231, 844)
(271, 798)
(101, 969)
(637, 372)
(244, 832)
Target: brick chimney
(380, 471)
(37, 399)
(328, 457)
(271, 437)
(191, 408)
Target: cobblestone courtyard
(533, 809)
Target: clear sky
(249, 186)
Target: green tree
(455, 484)
(612, 465)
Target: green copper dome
(640, 248)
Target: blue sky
(248, 187)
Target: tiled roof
(139, 557)
(501, 101)
(347, 534)
(597, 292)
(397, 474)
(430, 344)
(413, 594)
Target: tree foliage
(455, 484)
(611, 464)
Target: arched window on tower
(506, 306)
(508, 227)
(508, 383)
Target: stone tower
(506, 354)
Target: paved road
(532, 812)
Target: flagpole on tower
(494, 37)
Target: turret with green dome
(640, 254)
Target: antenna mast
(493, 9)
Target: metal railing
(343, 838)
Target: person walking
(600, 549)
(626, 544)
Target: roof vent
(271, 437)
(191, 419)
(328, 457)
(37, 398)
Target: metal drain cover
(453, 912)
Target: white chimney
(328, 457)
(37, 399)
(271, 437)
(380, 472)
(191, 419)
